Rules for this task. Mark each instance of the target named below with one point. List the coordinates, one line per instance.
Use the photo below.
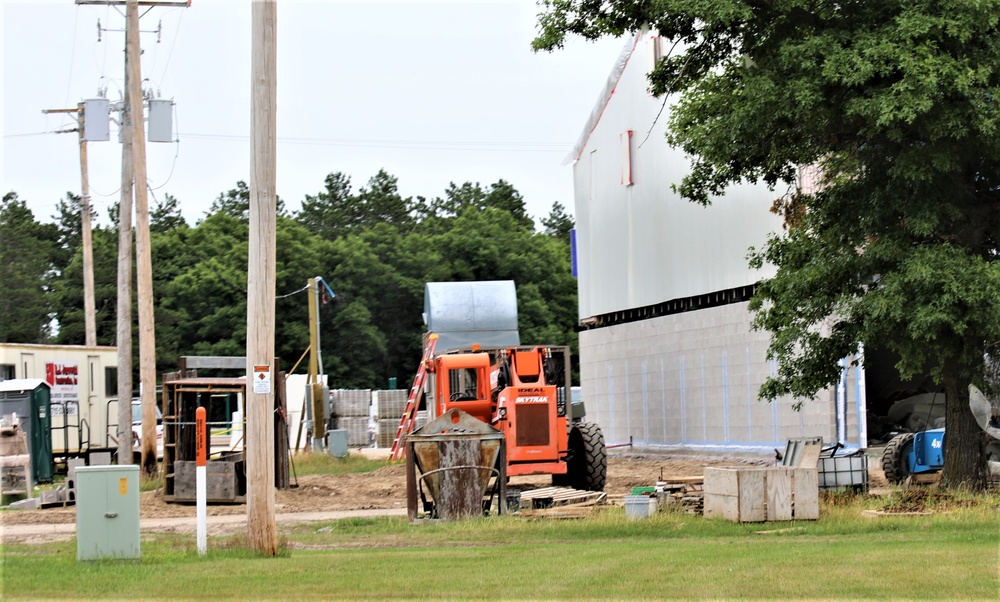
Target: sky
(431, 92)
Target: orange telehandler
(523, 392)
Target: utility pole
(262, 530)
(90, 322)
(124, 330)
(134, 182)
(143, 261)
(315, 386)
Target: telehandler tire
(895, 458)
(588, 462)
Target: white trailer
(84, 391)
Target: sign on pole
(262, 380)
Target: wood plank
(220, 482)
(751, 496)
(779, 494)
(810, 456)
(693, 479)
(805, 493)
(722, 506)
(721, 481)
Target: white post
(201, 478)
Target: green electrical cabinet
(107, 512)
(30, 399)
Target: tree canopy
(374, 247)
(894, 104)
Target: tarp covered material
(631, 42)
(467, 313)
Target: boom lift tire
(588, 462)
(895, 458)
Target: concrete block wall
(691, 380)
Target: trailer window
(111, 382)
(6, 372)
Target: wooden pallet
(553, 497)
(566, 509)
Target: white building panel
(642, 244)
(689, 379)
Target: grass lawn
(951, 554)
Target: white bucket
(639, 506)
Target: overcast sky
(430, 92)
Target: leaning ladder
(413, 400)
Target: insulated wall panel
(691, 380)
(642, 244)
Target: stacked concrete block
(387, 428)
(389, 404)
(388, 407)
(351, 409)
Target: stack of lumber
(687, 492)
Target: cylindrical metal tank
(467, 313)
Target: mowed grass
(323, 463)
(953, 553)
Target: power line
(400, 144)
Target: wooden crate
(222, 482)
(761, 494)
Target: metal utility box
(96, 120)
(107, 512)
(29, 398)
(161, 122)
(337, 443)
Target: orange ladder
(413, 400)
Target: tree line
(374, 247)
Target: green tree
(381, 203)
(236, 202)
(26, 251)
(337, 211)
(66, 290)
(896, 104)
(558, 223)
(331, 212)
(165, 215)
(69, 223)
(500, 195)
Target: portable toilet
(29, 398)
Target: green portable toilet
(29, 398)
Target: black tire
(588, 462)
(895, 458)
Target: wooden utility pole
(143, 261)
(134, 181)
(315, 386)
(90, 322)
(124, 330)
(262, 530)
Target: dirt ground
(385, 488)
